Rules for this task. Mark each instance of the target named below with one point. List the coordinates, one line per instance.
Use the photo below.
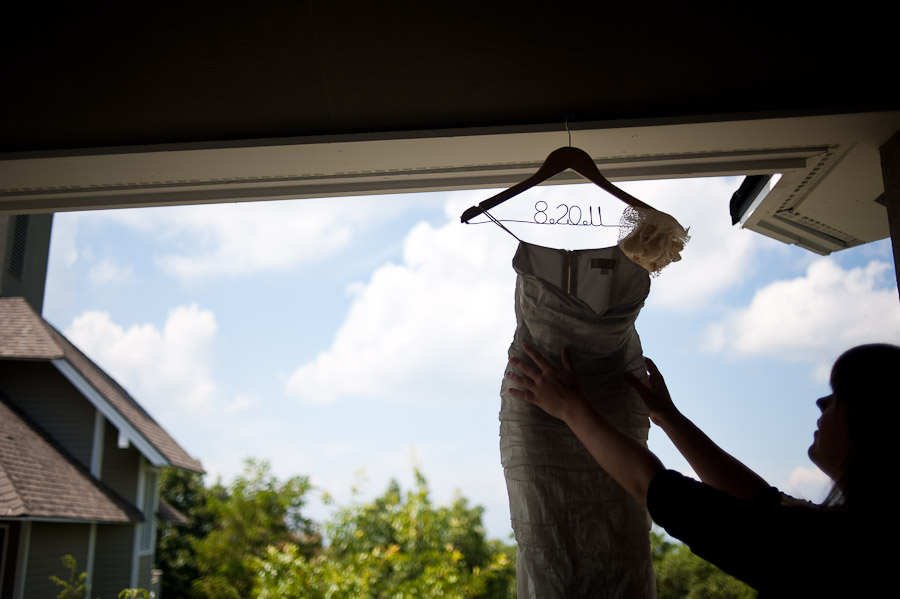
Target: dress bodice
(586, 299)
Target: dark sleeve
(738, 536)
(792, 550)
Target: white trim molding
(97, 448)
(89, 566)
(124, 427)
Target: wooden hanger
(559, 160)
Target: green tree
(175, 553)
(399, 547)
(76, 585)
(682, 575)
(257, 511)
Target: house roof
(38, 479)
(167, 512)
(24, 334)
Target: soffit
(825, 199)
(124, 74)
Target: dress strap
(501, 225)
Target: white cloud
(229, 240)
(808, 483)
(439, 323)
(107, 272)
(241, 403)
(62, 280)
(332, 450)
(434, 327)
(718, 255)
(367, 476)
(813, 317)
(168, 369)
(65, 234)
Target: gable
(24, 335)
(40, 480)
(39, 391)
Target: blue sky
(349, 338)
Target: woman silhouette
(734, 519)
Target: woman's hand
(557, 392)
(655, 394)
(713, 465)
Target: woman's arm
(713, 465)
(559, 393)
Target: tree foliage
(256, 512)
(75, 587)
(680, 574)
(398, 546)
(175, 553)
(250, 540)
(229, 527)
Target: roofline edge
(153, 455)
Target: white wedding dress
(579, 534)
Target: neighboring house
(79, 465)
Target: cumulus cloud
(64, 239)
(107, 271)
(813, 317)
(168, 368)
(808, 483)
(717, 258)
(441, 319)
(438, 323)
(718, 255)
(230, 240)
(241, 403)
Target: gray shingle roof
(24, 334)
(167, 512)
(38, 479)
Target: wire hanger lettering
(559, 160)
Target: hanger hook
(568, 130)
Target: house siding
(50, 541)
(120, 466)
(145, 570)
(112, 559)
(46, 389)
(49, 400)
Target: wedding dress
(579, 534)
